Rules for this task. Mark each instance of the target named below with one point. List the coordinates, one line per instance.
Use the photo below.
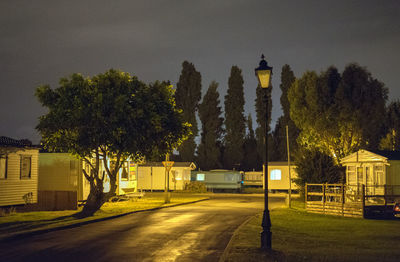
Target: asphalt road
(195, 232)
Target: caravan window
(3, 166)
(276, 174)
(351, 175)
(25, 167)
(229, 177)
(200, 177)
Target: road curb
(13, 236)
(229, 246)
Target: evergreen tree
(251, 157)
(188, 95)
(279, 134)
(263, 95)
(234, 120)
(209, 150)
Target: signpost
(168, 165)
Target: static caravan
(378, 171)
(62, 172)
(18, 172)
(278, 177)
(151, 175)
(219, 179)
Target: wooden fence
(335, 199)
(57, 200)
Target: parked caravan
(63, 172)
(378, 172)
(278, 177)
(152, 176)
(62, 183)
(18, 172)
(219, 179)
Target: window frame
(22, 157)
(5, 156)
(273, 175)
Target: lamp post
(263, 73)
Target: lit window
(3, 166)
(276, 174)
(25, 167)
(200, 177)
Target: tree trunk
(95, 200)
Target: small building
(62, 183)
(378, 172)
(152, 175)
(219, 179)
(62, 172)
(18, 172)
(278, 177)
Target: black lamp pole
(263, 73)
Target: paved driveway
(195, 232)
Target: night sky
(42, 41)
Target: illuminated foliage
(109, 116)
(338, 114)
(210, 147)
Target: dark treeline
(328, 115)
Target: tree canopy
(109, 116)
(188, 95)
(338, 113)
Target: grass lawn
(301, 236)
(27, 221)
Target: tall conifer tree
(261, 95)
(279, 134)
(188, 95)
(234, 120)
(209, 150)
(251, 157)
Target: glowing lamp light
(263, 73)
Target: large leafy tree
(110, 116)
(210, 147)
(234, 120)
(279, 134)
(338, 113)
(188, 95)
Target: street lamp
(263, 73)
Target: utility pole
(288, 160)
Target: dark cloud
(42, 41)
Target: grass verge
(30, 221)
(301, 236)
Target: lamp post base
(266, 234)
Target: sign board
(168, 164)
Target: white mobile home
(18, 172)
(278, 177)
(378, 171)
(151, 175)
